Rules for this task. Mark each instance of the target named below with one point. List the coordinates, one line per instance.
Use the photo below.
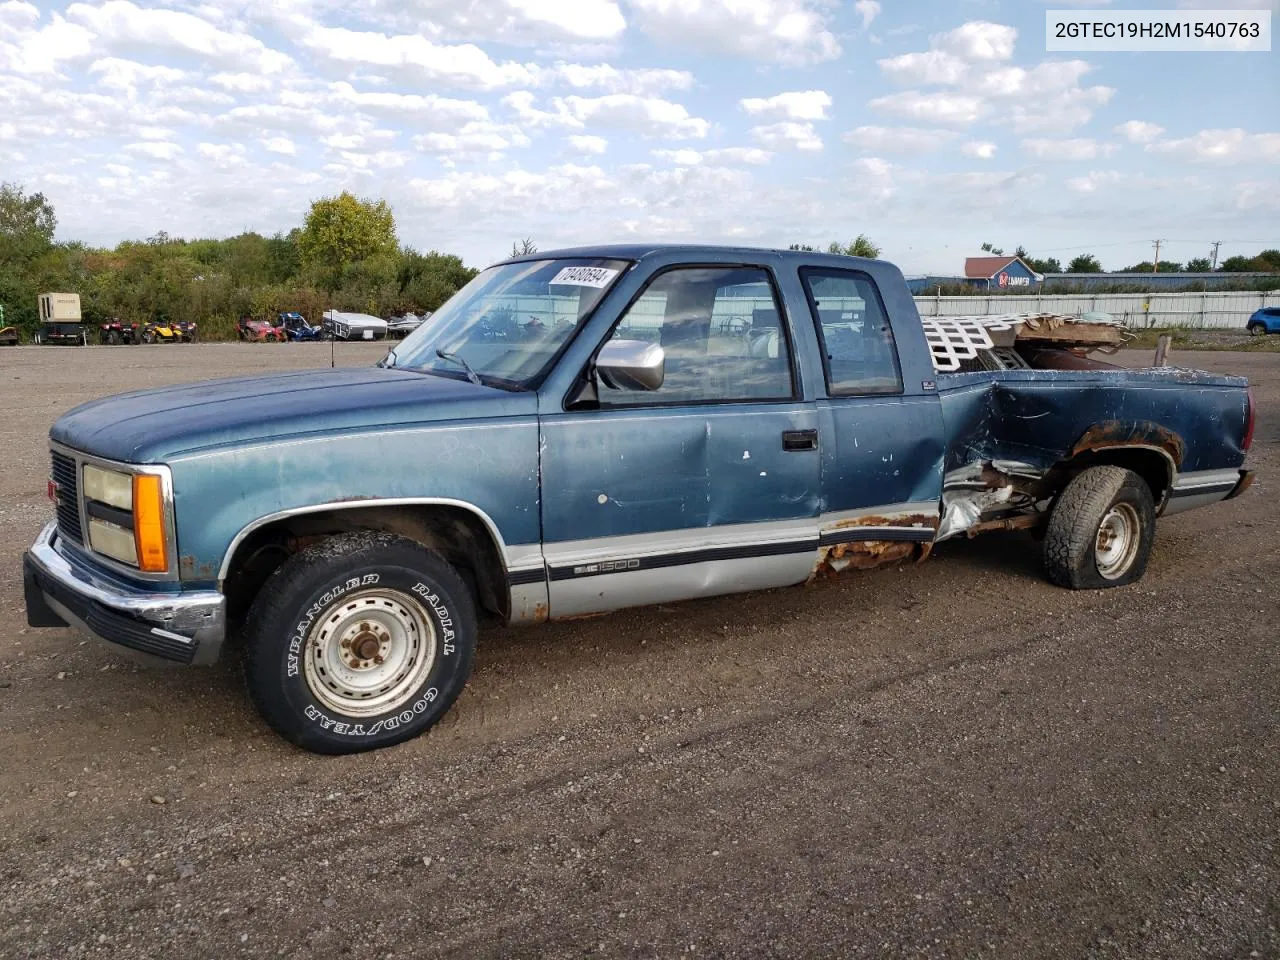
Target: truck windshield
(508, 323)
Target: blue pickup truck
(585, 430)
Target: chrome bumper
(186, 627)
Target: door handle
(793, 440)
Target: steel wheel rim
(371, 653)
(1116, 545)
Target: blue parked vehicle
(297, 329)
(1264, 321)
(585, 430)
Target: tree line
(345, 255)
(1268, 261)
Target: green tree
(1146, 266)
(345, 234)
(27, 223)
(993, 250)
(1237, 264)
(1084, 263)
(428, 280)
(803, 247)
(1199, 265)
(1268, 260)
(861, 246)
(522, 248)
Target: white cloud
(682, 158)
(979, 149)
(784, 31)
(868, 10)
(788, 135)
(222, 155)
(158, 149)
(244, 82)
(521, 103)
(1093, 181)
(473, 138)
(464, 65)
(516, 22)
(610, 79)
(1060, 113)
(1222, 146)
(587, 143)
(18, 13)
(913, 140)
(1139, 131)
(1067, 149)
(40, 51)
(120, 24)
(127, 75)
(978, 40)
(647, 116)
(753, 156)
(946, 108)
(926, 68)
(281, 145)
(426, 110)
(798, 105)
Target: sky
(931, 126)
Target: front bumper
(187, 627)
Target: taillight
(1250, 418)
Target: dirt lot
(954, 759)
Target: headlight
(127, 517)
(109, 487)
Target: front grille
(65, 475)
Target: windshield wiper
(454, 358)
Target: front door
(710, 484)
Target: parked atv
(9, 337)
(297, 329)
(260, 331)
(116, 331)
(169, 332)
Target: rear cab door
(879, 416)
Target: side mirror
(631, 365)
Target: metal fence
(1136, 310)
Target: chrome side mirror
(631, 365)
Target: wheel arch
(464, 534)
(1152, 452)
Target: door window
(722, 335)
(858, 350)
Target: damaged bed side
(1026, 406)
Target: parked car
(260, 331)
(8, 337)
(1264, 321)
(400, 327)
(641, 450)
(297, 329)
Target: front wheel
(361, 641)
(1256, 329)
(1101, 530)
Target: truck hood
(153, 426)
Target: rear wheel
(1101, 530)
(359, 642)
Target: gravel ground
(953, 759)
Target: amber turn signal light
(148, 524)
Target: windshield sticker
(583, 277)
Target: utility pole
(1155, 267)
(1216, 245)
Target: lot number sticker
(583, 277)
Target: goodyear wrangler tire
(1101, 530)
(361, 641)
